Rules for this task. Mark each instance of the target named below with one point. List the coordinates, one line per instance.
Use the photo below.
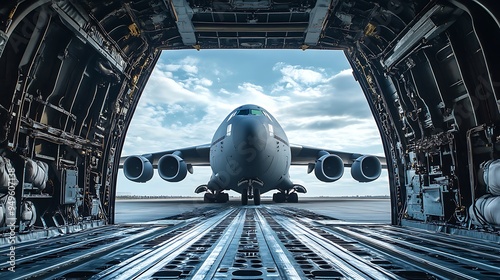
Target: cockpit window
(256, 112)
(253, 112)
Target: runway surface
(363, 210)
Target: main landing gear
(219, 197)
(251, 192)
(212, 196)
(289, 195)
(285, 196)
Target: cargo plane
(250, 154)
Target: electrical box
(433, 201)
(70, 187)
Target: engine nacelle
(172, 168)
(366, 169)
(329, 168)
(138, 169)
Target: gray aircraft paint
(249, 146)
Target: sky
(311, 93)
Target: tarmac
(356, 210)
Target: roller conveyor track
(252, 242)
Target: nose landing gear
(251, 191)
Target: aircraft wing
(195, 156)
(303, 155)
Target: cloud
(322, 123)
(187, 65)
(298, 81)
(296, 75)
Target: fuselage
(250, 147)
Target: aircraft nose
(249, 134)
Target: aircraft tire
(208, 197)
(279, 197)
(293, 198)
(222, 197)
(244, 197)
(256, 196)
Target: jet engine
(366, 169)
(329, 168)
(138, 169)
(172, 168)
